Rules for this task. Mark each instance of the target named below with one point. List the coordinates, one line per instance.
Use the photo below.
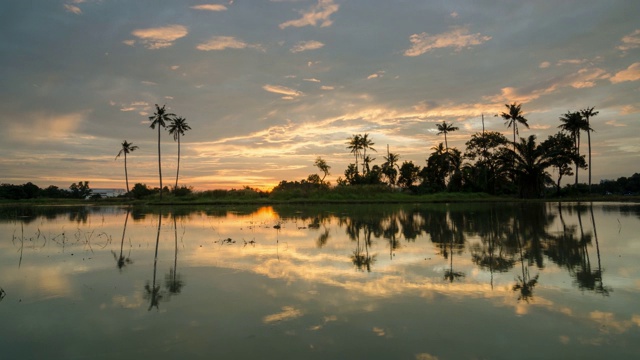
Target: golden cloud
(632, 73)
(458, 38)
(225, 42)
(160, 37)
(210, 7)
(306, 45)
(318, 14)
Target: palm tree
(512, 118)
(445, 128)
(176, 128)
(355, 145)
(126, 148)
(573, 123)
(531, 162)
(586, 114)
(160, 118)
(366, 143)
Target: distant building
(108, 192)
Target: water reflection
(279, 271)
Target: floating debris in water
(2, 294)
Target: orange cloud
(318, 14)
(458, 38)
(632, 73)
(160, 37)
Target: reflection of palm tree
(177, 127)
(121, 260)
(152, 292)
(585, 276)
(525, 283)
(126, 148)
(173, 280)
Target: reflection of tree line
(508, 235)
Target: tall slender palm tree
(573, 124)
(127, 147)
(512, 118)
(160, 119)
(586, 115)
(177, 127)
(445, 128)
(355, 145)
(366, 143)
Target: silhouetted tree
(445, 128)
(160, 119)
(177, 127)
(126, 149)
(587, 114)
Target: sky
(267, 86)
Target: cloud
(458, 38)
(288, 313)
(312, 80)
(160, 37)
(225, 42)
(73, 9)
(306, 45)
(632, 73)
(586, 77)
(50, 127)
(288, 93)
(377, 74)
(544, 65)
(324, 87)
(210, 7)
(631, 41)
(319, 13)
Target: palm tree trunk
(159, 163)
(178, 170)
(446, 144)
(577, 155)
(589, 143)
(126, 176)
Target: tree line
(490, 163)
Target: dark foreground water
(484, 281)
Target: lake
(377, 281)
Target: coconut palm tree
(586, 115)
(366, 143)
(445, 128)
(127, 147)
(355, 145)
(512, 118)
(160, 119)
(573, 124)
(531, 162)
(177, 127)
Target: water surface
(481, 281)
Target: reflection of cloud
(160, 37)
(306, 45)
(319, 13)
(426, 356)
(609, 323)
(458, 38)
(288, 313)
(632, 73)
(225, 42)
